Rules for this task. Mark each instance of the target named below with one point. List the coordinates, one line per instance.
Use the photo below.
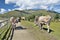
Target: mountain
(19, 13)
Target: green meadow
(32, 28)
(5, 31)
(42, 34)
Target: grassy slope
(3, 30)
(43, 35)
(26, 12)
(56, 29)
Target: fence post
(0, 36)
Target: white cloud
(44, 7)
(9, 10)
(2, 10)
(29, 4)
(10, 1)
(57, 10)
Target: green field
(5, 32)
(33, 29)
(42, 34)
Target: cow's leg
(40, 25)
(48, 27)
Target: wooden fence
(5, 30)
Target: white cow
(13, 20)
(23, 18)
(43, 20)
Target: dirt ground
(21, 33)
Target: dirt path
(21, 33)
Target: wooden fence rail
(5, 30)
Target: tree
(57, 17)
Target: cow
(23, 18)
(19, 19)
(13, 22)
(43, 20)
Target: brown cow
(43, 20)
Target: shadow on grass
(20, 28)
(50, 30)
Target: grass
(42, 34)
(56, 28)
(8, 33)
(4, 30)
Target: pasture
(42, 34)
(5, 31)
(32, 28)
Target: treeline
(55, 16)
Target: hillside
(12, 13)
(29, 13)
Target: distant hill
(17, 13)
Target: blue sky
(9, 5)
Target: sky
(9, 5)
